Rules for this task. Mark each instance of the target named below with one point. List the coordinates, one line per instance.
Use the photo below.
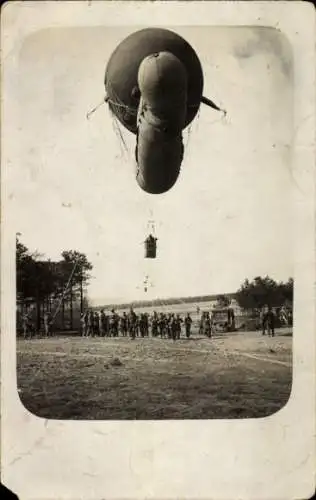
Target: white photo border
(265, 458)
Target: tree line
(264, 291)
(51, 286)
(251, 296)
(171, 301)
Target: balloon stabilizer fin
(211, 104)
(105, 99)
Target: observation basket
(150, 247)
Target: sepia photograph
(158, 250)
(154, 253)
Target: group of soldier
(94, 323)
(206, 326)
(164, 325)
(268, 321)
(29, 323)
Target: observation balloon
(154, 87)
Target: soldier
(283, 317)
(117, 321)
(141, 325)
(132, 323)
(207, 325)
(146, 324)
(201, 324)
(178, 323)
(270, 321)
(123, 324)
(212, 324)
(47, 323)
(231, 320)
(137, 325)
(90, 323)
(154, 325)
(290, 317)
(30, 321)
(95, 324)
(107, 325)
(161, 325)
(188, 323)
(168, 325)
(263, 319)
(114, 324)
(26, 324)
(174, 328)
(102, 323)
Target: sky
(72, 183)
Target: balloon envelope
(121, 76)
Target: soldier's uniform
(263, 317)
(174, 328)
(123, 324)
(188, 323)
(283, 317)
(201, 325)
(270, 320)
(113, 324)
(154, 325)
(142, 325)
(146, 325)
(95, 324)
(178, 323)
(168, 325)
(47, 323)
(132, 324)
(102, 323)
(161, 325)
(90, 323)
(137, 325)
(207, 325)
(29, 323)
(26, 324)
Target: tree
(287, 291)
(76, 266)
(25, 270)
(263, 291)
(41, 282)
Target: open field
(234, 375)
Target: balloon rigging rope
(118, 131)
(118, 102)
(123, 106)
(115, 121)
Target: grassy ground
(231, 376)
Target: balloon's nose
(162, 76)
